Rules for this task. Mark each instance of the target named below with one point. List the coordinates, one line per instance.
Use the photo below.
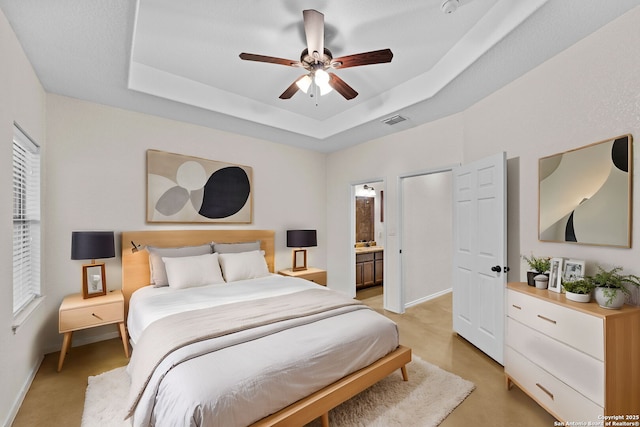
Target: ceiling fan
(317, 59)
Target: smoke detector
(449, 6)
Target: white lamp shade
(304, 83)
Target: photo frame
(555, 274)
(573, 269)
(93, 280)
(187, 189)
(579, 187)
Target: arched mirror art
(585, 194)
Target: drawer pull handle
(547, 319)
(516, 306)
(95, 315)
(545, 390)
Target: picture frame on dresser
(556, 275)
(573, 269)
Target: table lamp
(301, 239)
(92, 245)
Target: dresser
(578, 361)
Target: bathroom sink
(367, 249)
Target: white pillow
(192, 271)
(243, 265)
(156, 266)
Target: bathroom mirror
(365, 225)
(585, 194)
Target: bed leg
(405, 376)
(324, 419)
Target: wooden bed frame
(135, 274)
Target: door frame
(401, 276)
(352, 231)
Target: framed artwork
(93, 283)
(585, 194)
(573, 270)
(556, 274)
(185, 189)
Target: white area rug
(424, 401)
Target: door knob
(496, 268)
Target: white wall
(585, 94)
(96, 180)
(22, 100)
(427, 227)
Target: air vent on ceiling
(393, 120)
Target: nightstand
(312, 274)
(77, 313)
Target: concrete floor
(56, 399)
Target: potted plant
(610, 288)
(578, 290)
(538, 265)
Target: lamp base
(303, 253)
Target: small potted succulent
(537, 265)
(610, 288)
(578, 290)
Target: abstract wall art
(187, 189)
(585, 194)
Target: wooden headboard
(135, 266)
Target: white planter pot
(604, 299)
(578, 297)
(541, 281)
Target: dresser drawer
(576, 369)
(561, 400)
(579, 330)
(87, 317)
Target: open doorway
(368, 238)
(426, 235)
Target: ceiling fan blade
(291, 90)
(269, 59)
(314, 31)
(367, 58)
(341, 87)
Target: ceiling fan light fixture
(321, 79)
(304, 83)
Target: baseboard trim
(23, 393)
(427, 298)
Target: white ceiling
(180, 59)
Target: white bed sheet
(148, 304)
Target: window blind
(26, 220)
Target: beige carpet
(425, 400)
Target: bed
(305, 351)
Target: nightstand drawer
(87, 317)
(320, 277)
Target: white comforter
(255, 372)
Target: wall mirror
(585, 194)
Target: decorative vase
(542, 281)
(578, 297)
(612, 298)
(530, 276)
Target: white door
(479, 253)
